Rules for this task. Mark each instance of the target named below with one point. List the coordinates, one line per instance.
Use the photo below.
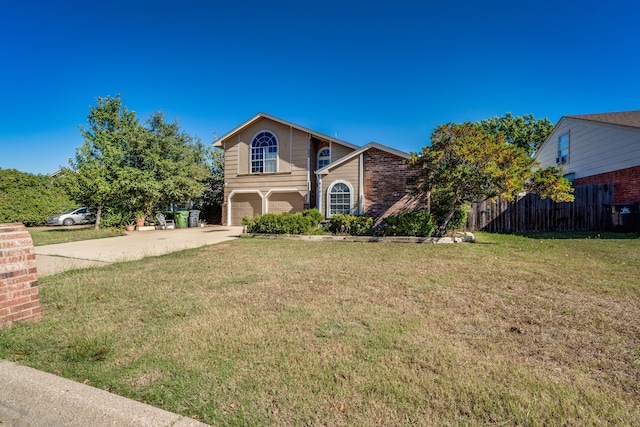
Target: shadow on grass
(66, 230)
(605, 235)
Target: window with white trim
(339, 198)
(264, 153)
(324, 157)
(563, 149)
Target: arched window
(264, 153)
(324, 157)
(339, 198)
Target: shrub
(440, 202)
(314, 216)
(414, 223)
(284, 223)
(459, 218)
(248, 222)
(31, 199)
(112, 217)
(355, 225)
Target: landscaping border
(466, 238)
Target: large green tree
(101, 161)
(465, 163)
(164, 165)
(126, 166)
(525, 132)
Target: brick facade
(385, 181)
(626, 183)
(19, 297)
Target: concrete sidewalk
(52, 259)
(32, 398)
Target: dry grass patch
(508, 331)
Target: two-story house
(274, 166)
(597, 149)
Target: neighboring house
(597, 149)
(274, 166)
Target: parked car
(73, 216)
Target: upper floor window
(563, 149)
(324, 157)
(264, 153)
(339, 198)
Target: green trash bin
(182, 218)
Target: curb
(32, 398)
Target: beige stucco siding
(292, 159)
(349, 172)
(339, 151)
(593, 148)
(294, 183)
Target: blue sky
(384, 71)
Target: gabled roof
(218, 142)
(325, 170)
(624, 118)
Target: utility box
(625, 217)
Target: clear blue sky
(368, 70)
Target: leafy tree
(31, 199)
(465, 163)
(126, 167)
(213, 196)
(164, 165)
(525, 132)
(101, 160)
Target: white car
(73, 216)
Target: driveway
(52, 259)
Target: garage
(245, 204)
(285, 202)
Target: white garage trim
(234, 192)
(265, 205)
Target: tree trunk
(98, 217)
(441, 229)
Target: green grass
(508, 331)
(50, 236)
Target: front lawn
(52, 235)
(510, 330)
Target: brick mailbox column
(19, 298)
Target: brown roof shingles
(625, 118)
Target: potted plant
(130, 226)
(140, 218)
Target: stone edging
(468, 237)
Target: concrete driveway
(52, 259)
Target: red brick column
(19, 298)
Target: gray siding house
(597, 149)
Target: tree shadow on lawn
(603, 235)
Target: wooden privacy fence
(531, 213)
